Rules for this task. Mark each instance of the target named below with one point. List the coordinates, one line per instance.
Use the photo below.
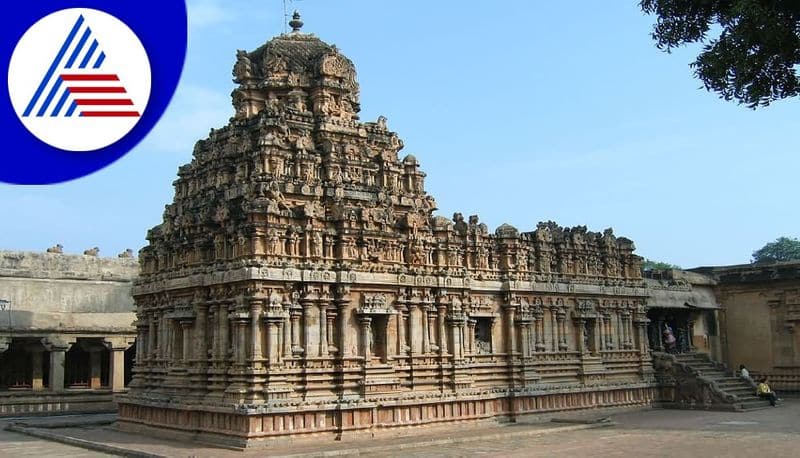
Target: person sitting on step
(764, 391)
(744, 373)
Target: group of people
(762, 387)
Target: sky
(518, 111)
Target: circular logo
(79, 79)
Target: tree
(782, 249)
(649, 264)
(755, 58)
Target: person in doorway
(764, 391)
(669, 339)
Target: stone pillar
(295, 315)
(511, 344)
(414, 329)
(94, 369)
(152, 337)
(186, 344)
(426, 342)
(333, 342)
(223, 332)
(274, 330)
(561, 317)
(307, 319)
(116, 363)
(200, 350)
(442, 329)
(401, 330)
(365, 322)
(342, 301)
(455, 336)
(255, 333)
(658, 334)
(554, 328)
(641, 325)
(471, 335)
(36, 366)
(142, 339)
(58, 350)
(601, 330)
(241, 353)
(323, 327)
(540, 333)
(213, 319)
(581, 335)
(523, 331)
(286, 331)
(626, 326)
(163, 337)
(57, 358)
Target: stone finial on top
(92, 251)
(296, 24)
(58, 248)
(126, 254)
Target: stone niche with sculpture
(300, 283)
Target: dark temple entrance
(666, 321)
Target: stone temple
(300, 283)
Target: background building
(66, 331)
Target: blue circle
(161, 26)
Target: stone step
(754, 404)
(739, 391)
(733, 383)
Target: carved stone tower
(300, 283)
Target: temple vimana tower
(301, 284)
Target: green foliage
(756, 57)
(649, 264)
(782, 249)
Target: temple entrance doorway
(670, 330)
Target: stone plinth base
(24, 403)
(400, 417)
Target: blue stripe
(79, 47)
(53, 66)
(50, 96)
(60, 102)
(72, 108)
(100, 60)
(88, 54)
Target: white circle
(104, 121)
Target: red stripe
(104, 101)
(109, 77)
(96, 90)
(115, 114)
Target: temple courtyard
(642, 432)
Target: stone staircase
(725, 380)
(695, 381)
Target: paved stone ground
(650, 433)
(19, 445)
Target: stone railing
(682, 386)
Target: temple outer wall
(759, 318)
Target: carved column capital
(118, 342)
